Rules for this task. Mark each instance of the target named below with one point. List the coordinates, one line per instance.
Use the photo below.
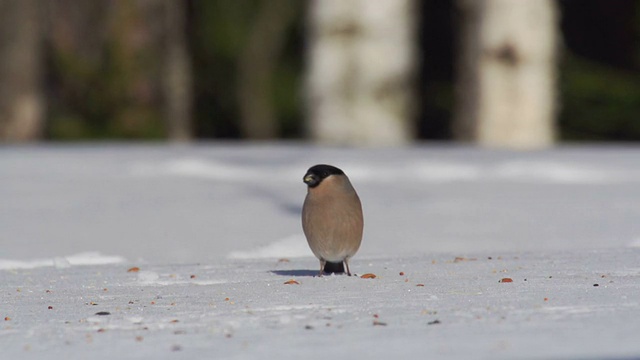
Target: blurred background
(365, 77)
(499, 73)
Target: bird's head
(317, 173)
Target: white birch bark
(506, 86)
(361, 75)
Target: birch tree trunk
(506, 86)
(360, 82)
(177, 84)
(21, 100)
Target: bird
(332, 218)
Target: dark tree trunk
(21, 100)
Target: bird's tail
(334, 267)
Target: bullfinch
(331, 218)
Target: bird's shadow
(295, 272)
(311, 273)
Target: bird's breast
(333, 224)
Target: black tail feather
(334, 267)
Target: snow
(215, 232)
(289, 247)
(88, 258)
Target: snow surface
(215, 232)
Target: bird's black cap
(317, 173)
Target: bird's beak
(310, 179)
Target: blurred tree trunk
(257, 63)
(177, 85)
(21, 100)
(360, 84)
(506, 86)
(116, 72)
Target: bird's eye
(325, 174)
